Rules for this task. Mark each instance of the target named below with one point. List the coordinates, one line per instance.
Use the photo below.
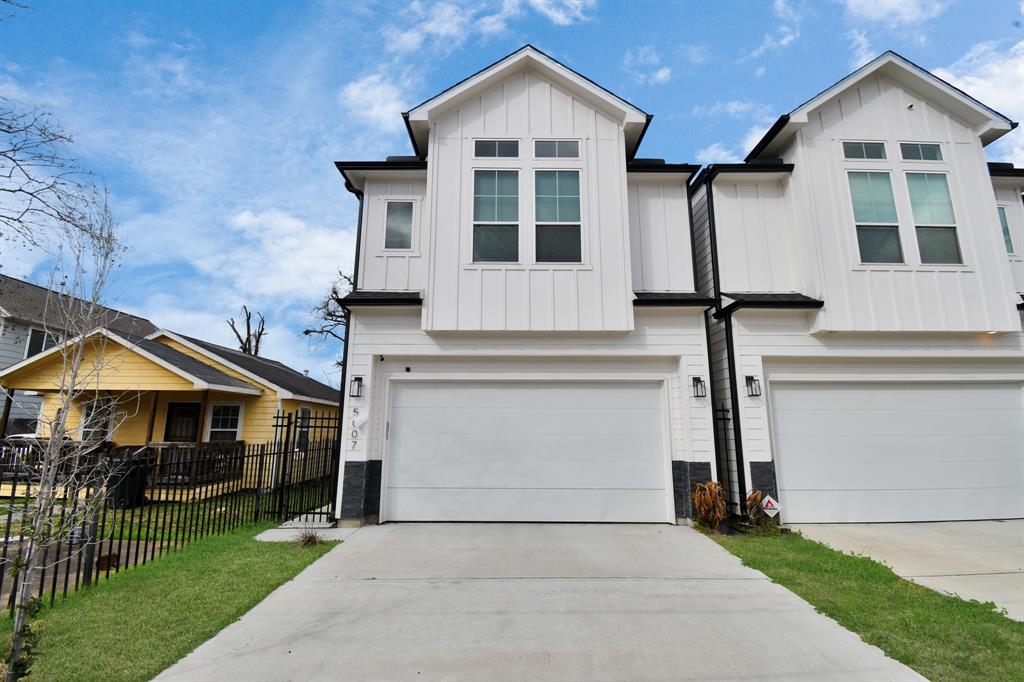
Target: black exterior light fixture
(753, 387)
(700, 389)
(355, 387)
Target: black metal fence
(131, 505)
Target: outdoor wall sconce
(753, 387)
(700, 389)
(355, 388)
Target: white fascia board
(528, 55)
(309, 399)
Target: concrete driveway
(533, 602)
(981, 560)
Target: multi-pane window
(874, 211)
(558, 216)
(97, 415)
(225, 421)
(487, 149)
(1006, 229)
(495, 216)
(864, 150)
(561, 149)
(915, 151)
(933, 218)
(398, 225)
(39, 340)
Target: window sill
(896, 267)
(527, 266)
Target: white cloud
(735, 108)
(564, 12)
(493, 24)
(375, 100)
(717, 153)
(760, 71)
(895, 12)
(645, 66)
(787, 33)
(994, 76)
(695, 54)
(863, 52)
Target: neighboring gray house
(29, 325)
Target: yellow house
(168, 389)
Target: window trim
(857, 224)
(473, 222)
(28, 340)
(538, 223)
(556, 140)
(108, 430)
(952, 208)
(517, 140)
(902, 159)
(1002, 215)
(209, 419)
(844, 157)
(412, 224)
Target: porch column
(9, 395)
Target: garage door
(899, 452)
(526, 451)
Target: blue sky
(215, 124)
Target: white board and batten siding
(975, 297)
(659, 233)
(383, 269)
(594, 295)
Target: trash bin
(127, 487)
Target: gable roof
(293, 384)
(636, 120)
(36, 304)
(990, 124)
(201, 375)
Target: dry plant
(309, 537)
(68, 471)
(709, 504)
(754, 511)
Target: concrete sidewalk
(982, 560)
(533, 602)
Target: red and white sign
(769, 506)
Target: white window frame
(473, 222)
(209, 419)
(885, 148)
(899, 148)
(952, 207)
(83, 418)
(579, 148)
(412, 225)
(28, 339)
(517, 140)
(537, 223)
(1003, 210)
(857, 223)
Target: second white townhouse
(544, 327)
(866, 336)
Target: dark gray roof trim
(36, 304)
(766, 300)
(270, 370)
(712, 171)
(1004, 170)
(382, 298)
(186, 363)
(671, 298)
(659, 166)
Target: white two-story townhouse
(867, 353)
(525, 341)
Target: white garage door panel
(899, 452)
(526, 451)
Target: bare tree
(249, 342)
(66, 477)
(329, 313)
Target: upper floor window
(874, 211)
(398, 225)
(40, 340)
(558, 216)
(915, 151)
(864, 150)
(225, 422)
(561, 149)
(487, 149)
(933, 218)
(1006, 229)
(495, 216)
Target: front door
(182, 423)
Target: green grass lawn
(135, 625)
(941, 637)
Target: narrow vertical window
(495, 216)
(398, 225)
(1006, 229)
(874, 212)
(933, 219)
(558, 216)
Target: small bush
(756, 514)
(709, 504)
(310, 538)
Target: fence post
(282, 471)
